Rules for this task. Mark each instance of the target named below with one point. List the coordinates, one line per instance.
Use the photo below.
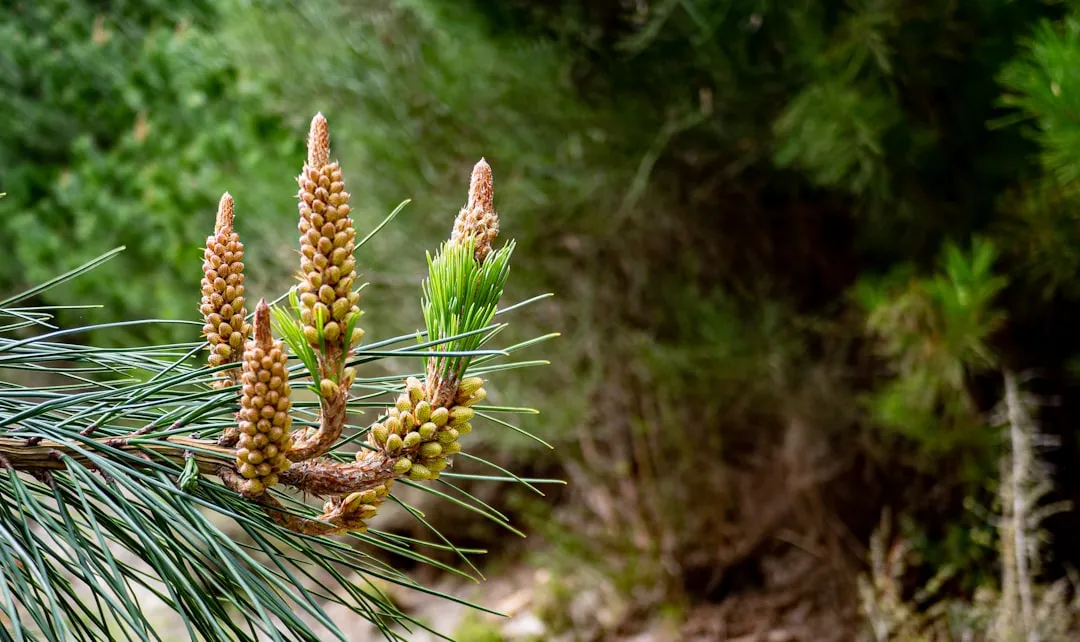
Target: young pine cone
(478, 220)
(423, 436)
(223, 292)
(264, 409)
(327, 241)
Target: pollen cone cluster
(478, 220)
(353, 510)
(222, 304)
(422, 436)
(327, 241)
(264, 409)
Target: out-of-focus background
(815, 264)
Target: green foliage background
(845, 215)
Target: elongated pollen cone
(264, 421)
(328, 275)
(222, 305)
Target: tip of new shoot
(263, 336)
(318, 143)
(224, 214)
(481, 188)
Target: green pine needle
(79, 542)
(461, 297)
(291, 330)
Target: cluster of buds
(421, 436)
(264, 409)
(419, 433)
(353, 510)
(222, 306)
(327, 241)
(478, 220)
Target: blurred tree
(124, 124)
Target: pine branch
(42, 455)
(126, 452)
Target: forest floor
(521, 595)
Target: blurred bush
(123, 123)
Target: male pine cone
(222, 303)
(264, 409)
(421, 436)
(352, 510)
(327, 241)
